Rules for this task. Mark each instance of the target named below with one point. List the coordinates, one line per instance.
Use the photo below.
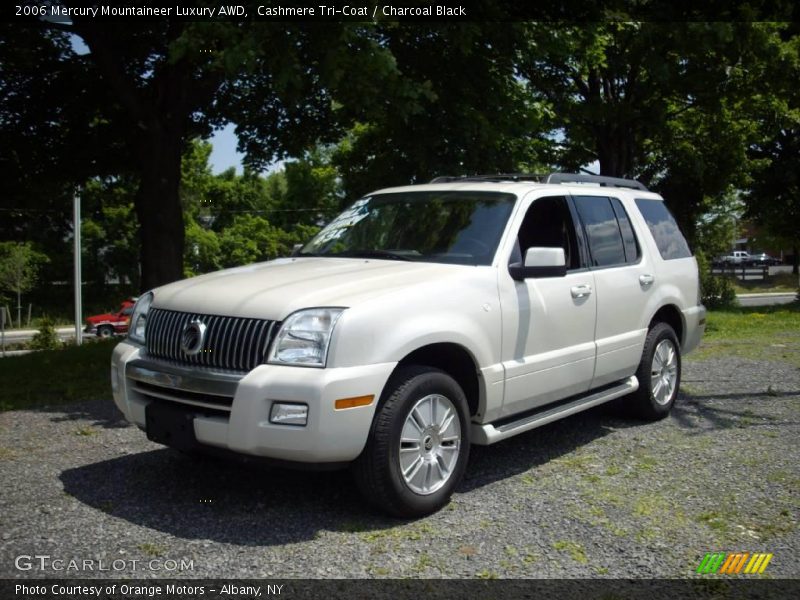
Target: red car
(109, 324)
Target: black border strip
(421, 10)
(731, 588)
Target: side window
(602, 230)
(628, 237)
(548, 223)
(669, 239)
(127, 311)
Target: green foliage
(202, 250)
(231, 219)
(459, 108)
(109, 233)
(664, 102)
(717, 291)
(252, 238)
(19, 269)
(719, 226)
(46, 338)
(694, 109)
(19, 266)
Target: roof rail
(601, 180)
(537, 177)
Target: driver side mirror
(540, 262)
(296, 249)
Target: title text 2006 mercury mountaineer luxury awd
(421, 320)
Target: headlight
(304, 337)
(138, 324)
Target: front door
(548, 322)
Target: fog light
(288, 414)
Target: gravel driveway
(590, 496)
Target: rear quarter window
(669, 239)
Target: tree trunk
(614, 151)
(158, 208)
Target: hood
(275, 289)
(101, 318)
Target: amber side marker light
(353, 402)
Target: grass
(152, 549)
(51, 377)
(760, 332)
(780, 282)
(410, 533)
(574, 549)
(86, 431)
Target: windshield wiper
(373, 254)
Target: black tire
(105, 331)
(378, 471)
(649, 402)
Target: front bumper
(232, 410)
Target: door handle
(645, 280)
(580, 291)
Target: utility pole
(76, 231)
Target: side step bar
(483, 435)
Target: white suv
(421, 320)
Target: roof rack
(600, 180)
(537, 177)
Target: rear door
(623, 278)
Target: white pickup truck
(737, 257)
(421, 320)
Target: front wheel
(418, 445)
(659, 374)
(105, 331)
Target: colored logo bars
(734, 563)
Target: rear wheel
(418, 446)
(105, 331)
(659, 375)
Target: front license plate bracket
(170, 425)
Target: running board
(483, 435)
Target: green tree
(719, 226)
(774, 198)
(19, 268)
(466, 113)
(658, 101)
(109, 235)
(202, 251)
(148, 90)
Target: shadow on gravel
(694, 413)
(536, 447)
(101, 413)
(202, 498)
(229, 502)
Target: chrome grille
(233, 343)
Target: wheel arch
(455, 360)
(672, 316)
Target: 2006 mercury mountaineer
(421, 320)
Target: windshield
(451, 227)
